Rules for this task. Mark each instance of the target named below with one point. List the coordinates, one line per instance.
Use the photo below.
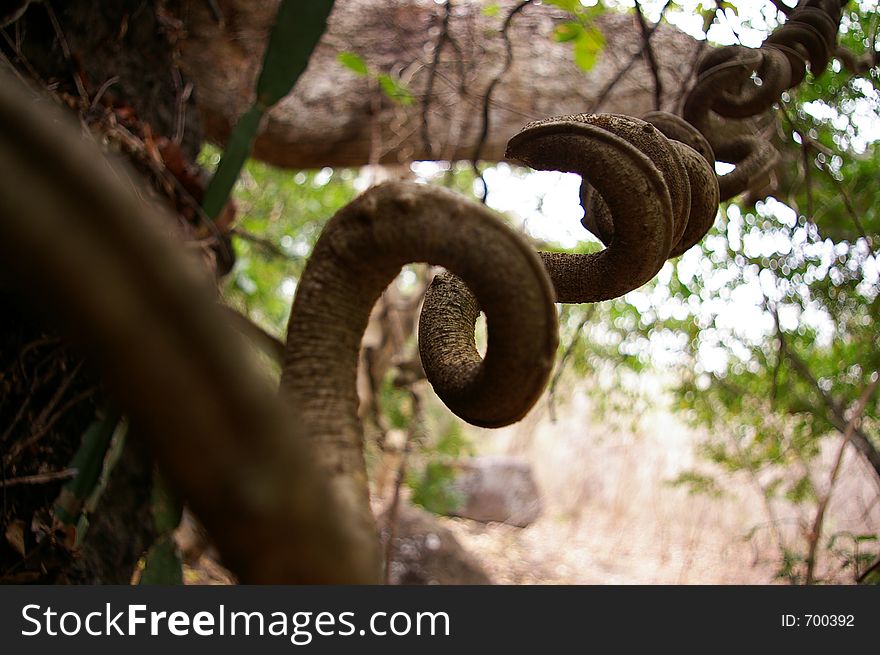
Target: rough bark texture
(335, 118)
(117, 64)
(128, 49)
(359, 253)
(79, 240)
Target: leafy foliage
(433, 483)
(392, 87)
(767, 330)
(280, 215)
(586, 39)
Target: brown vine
(359, 253)
(279, 483)
(75, 237)
(740, 83)
(656, 197)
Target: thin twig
(650, 57)
(807, 141)
(39, 478)
(560, 367)
(836, 416)
(19, 55)
(45, 420)
(412, 435)
(603, 94)
(848, 205)
(102, 90)
(808, 179)
(432, 74)
(815, 532)
(267, 245)
(487, 98)
(65, 50)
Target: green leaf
(163, 565)
(491, 10)
(708, 18)
(237, 150)
(298, 28)
(353, 63)
(88, 462)
(394, 89)
(568, 5)
(167, 510)
(587, 47)
(567, 31)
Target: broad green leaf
(298, 28)
(587, 47)
(568, 5)
(238, 148)
(353, 63)
(394, 89)
(567, 31)
(88, 463)
(163, 565)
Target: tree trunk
(337, 118)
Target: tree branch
(816, 530)
(836, 416)
(650, 57)
(487, 99)
(623, 71)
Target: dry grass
(611, 516)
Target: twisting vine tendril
(284, 493)
(739, 83)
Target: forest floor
(612, 516)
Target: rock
(497, 488)
(426, 553)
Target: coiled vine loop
(727, 88)
(652, 196)
(280, 483)
(285, 492)
(358, 254)
(649, 196)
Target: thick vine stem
(645, 193)
(738, 82)
(696, 157)
(359, 253)
(75, 237)
(633, 188)
(699, 162)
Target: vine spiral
(281, 482)
(739, 83)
